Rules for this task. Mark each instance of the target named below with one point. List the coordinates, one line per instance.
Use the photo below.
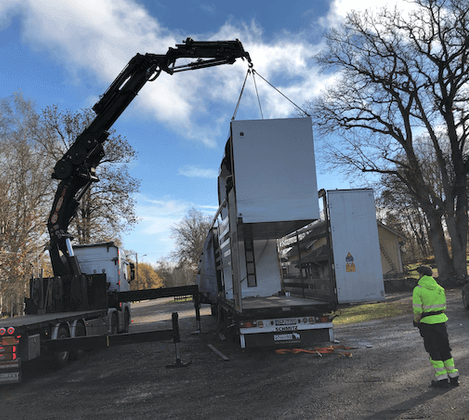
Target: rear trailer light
(9, 331)
(248, 324)
(325, 318)
(252, 324)
(8, 348)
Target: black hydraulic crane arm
(76, 170)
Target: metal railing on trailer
(148, 294)
(94, 342)
(103, 341)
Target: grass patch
(180, 299)
(371, 311)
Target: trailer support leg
(176, 341)
(197, 313)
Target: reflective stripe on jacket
(428, 297)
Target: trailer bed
(282, 305)
(31, 322)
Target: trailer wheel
(126, 321)
(114, 323)
(79, 332)
(61, 357)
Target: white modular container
(274, 175)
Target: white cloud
(99, 37)
(7, 10)
(339, 9)
(197, 172)
(158, 215)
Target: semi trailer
(267, 192)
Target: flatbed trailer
(32, 322)
(24, 338)
(65, 334)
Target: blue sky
(67, 52)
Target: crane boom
(76, 170)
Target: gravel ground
(386, 377)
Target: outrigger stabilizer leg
(197, 314)
(176, 340)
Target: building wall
(390, 253)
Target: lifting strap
(253, 72)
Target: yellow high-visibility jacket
(429, 296)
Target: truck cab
(107, 258)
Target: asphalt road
(386, 377)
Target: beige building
(391, 258)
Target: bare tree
(108, 208)
(190, 236)
(23, 189)
(403, 78)
(164, 270)
(402, 213)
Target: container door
(355, 245)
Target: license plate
(287, 337)
(10, 377)
(286, 321)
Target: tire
(61, 357)
(465, 296)
(114, 323)
(79, 332)
(126, 321)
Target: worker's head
(425, 270)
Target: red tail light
(8, 348)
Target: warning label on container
(349, 263)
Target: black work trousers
(435, 340)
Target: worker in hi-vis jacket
(429, 304)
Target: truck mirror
(132, 272)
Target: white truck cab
(107, 258)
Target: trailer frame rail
(94, 342)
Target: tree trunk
(446, 272)
(457, 228)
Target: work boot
(454, 381)
(440, 384)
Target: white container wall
(275, 173)
(355, 244)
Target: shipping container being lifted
(267, 189)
